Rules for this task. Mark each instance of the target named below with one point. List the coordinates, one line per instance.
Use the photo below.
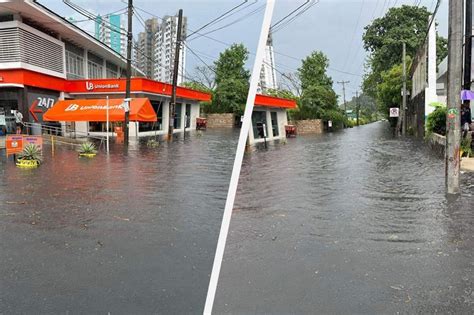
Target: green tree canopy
(313, 71)
(232, 81)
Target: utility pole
(404, 91)
(344, 94)
(357, 106)
(175, 76)
(453, 121)
(468, 46)
(129, 72)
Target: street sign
(36, 140)
(394, 112)
(330, 123)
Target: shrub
(31, 152)
(87, 148)
(437, 121)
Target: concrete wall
(309, 126)
(437, 143)
(220, 120)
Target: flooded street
(125, 234)
(354, 222)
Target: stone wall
(308, 126)
(220, 120)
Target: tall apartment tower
(145, 48)
(108, 31)
(268, 78)
(165, 44)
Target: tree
(384, 38)
(206, 76)
(313, 71)
(198, 86)
(318, 99)
(232, 81)
(291, 82)
(389, 90)
(282, 94)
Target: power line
(219, 18)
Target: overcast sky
(332, 26)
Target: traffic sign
(394, 112)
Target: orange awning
(96, 110)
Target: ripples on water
(132, 233)
(346, 206)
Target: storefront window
(177, 116)
(258, 117)
(274, 124)
(152, 126)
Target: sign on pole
(394, 112)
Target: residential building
(145, 47)
(268, 78)
(110, 29)
(165, 48)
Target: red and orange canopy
(96, 110)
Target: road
(353, 222)
(128, 234)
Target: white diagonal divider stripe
(239, 155)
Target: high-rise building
(145, 48)
(109, 30)
(268, 78)
(165, 44)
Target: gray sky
(332, 26)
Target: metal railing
(62, 131)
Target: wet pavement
(128, 234)
(354, 222)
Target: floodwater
(353, 222)
(124, 234)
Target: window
(177, 116)
(94, 70)
(275, 124)
(74, 65)
(152, 126)
(258, 117)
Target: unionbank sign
(91, 86)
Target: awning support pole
(107, 110)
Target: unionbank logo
(89, 86)
(72, 107)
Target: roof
(96, 86)
(272, 101)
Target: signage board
(394, 112)
(36, 140)
(14, 144)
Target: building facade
(268, 78)
(165, 49)
(109, 29)
(145, 48)
(45, 58)
(269, 114)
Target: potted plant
(30, 156)
(87, 149)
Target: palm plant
(87, 148)
(31, 152)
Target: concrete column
(86, 64)
(269, 124)
(166, 113)
(430, 91)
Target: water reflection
(124, 234)
(350, 222)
